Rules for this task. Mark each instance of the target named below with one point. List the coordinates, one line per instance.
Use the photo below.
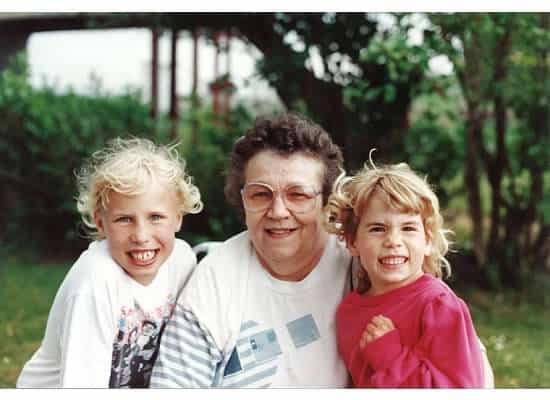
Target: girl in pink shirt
(402, 327)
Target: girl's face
(140, 229)
(390, 244)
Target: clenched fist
(378, 326)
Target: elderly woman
(259, 309)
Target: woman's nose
(278, 207)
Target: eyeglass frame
(274, 192)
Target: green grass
(26, 294)
(513, 331)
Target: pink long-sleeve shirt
(434, 343)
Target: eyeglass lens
(297, 198)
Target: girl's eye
(376, 229)
(122, 220)
(410, 228)
(156, 217)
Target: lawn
(516, 336)
(514, 332)
(26, 294)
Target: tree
(495, 57)
(350, 75)
(361, 89)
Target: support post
(173, 86)
(155, 34)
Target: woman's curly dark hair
(286, 134)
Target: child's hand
(378, 326)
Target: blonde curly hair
(127, 166)
(406, 192)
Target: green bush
(45, 136)
(206, 155)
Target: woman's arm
(188, 356)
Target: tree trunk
(497, 165)
(470, 79)
(539, 121)
(323, 99)
(474, 127)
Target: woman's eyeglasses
(297, 198)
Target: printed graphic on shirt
(253, 362)
(264, 345)
(303, 331)
(136, 344)
(257, 355)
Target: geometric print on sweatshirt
(253, 361)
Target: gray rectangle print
(303, 331)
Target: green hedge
(44, 137)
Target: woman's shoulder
(338, 250)
(183, 254)
(227, 256)
(180, 265)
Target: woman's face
(288, 244)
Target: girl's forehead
(382, 202)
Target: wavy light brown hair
(127, 166)
(405, 191)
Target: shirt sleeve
(447, 354)
(188, 356)
(86, 337)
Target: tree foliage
(348, 73)
(206, 160)
(342, 69)
(502, 64)
(369, 84)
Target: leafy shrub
(206, 155)
(45, 136)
